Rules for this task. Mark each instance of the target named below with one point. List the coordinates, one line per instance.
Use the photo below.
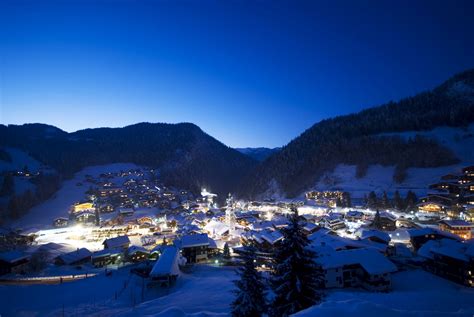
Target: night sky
(250, 73)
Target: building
(264, 240)
(332, 222)
(137, 254)
(194, 247)
(419, 237)
(105, 257)
(450, 259)
(364, 268)
(384, 221)
(460, 228)
(79, 207)
(77, 257)
(166, 268)
(13, 262)
(60, 222)
(120, 242)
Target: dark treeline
(397, 202)
(361, 139)
(18, 204)
(186, 156)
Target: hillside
(259, 153)
(369, 138)
(185, 155)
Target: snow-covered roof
(427, 231)
(310, 226)
(13, 256)
(457, 223)
(116, 242)
(371, 261)
(447, 247)
(167, 264)
(75, 256)
(105, 252)
(323, 237)
(193, 240)
(134, 249)
(367, 234)
(216, 227)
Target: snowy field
(41, 216)
(208, 292)
(205, 292)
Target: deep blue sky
(250, 73)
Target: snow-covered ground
(380, 178)
(42, 216)
(205, 292)
(208, 292)
(416, 293)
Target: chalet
(60, 222)
(364, 268)
(329, 239)
(126, 211)
(137, 254)
(216, 228)
(13, 262)
(105, 257)
(451, 187)
(419, 237)
(80, 207)
(450, 259)
(332, 222)
(79, 256)
(166, 268)
(109, 191)
(86, 216)
(384, 221)
(468, 171)
(120, 242)
(309, 228)
(460, 228)
(354, 215)
(264, 240)
(194, 247)
(106, 208)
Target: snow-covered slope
(380, 178)
(19, 159)
(42, 215)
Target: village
(130, 220)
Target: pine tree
(377, 223)
(398, 201)
(226, 251)
(385, 201)
(346, 198)
(250, 299)
(296, 278)
(372, 200)
(410, 201)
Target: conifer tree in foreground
(296, 278)
(250, 300)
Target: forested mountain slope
(186, 156)
(362, 139)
